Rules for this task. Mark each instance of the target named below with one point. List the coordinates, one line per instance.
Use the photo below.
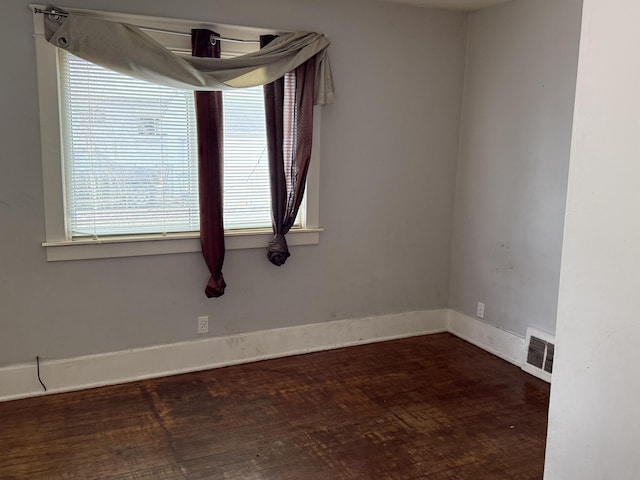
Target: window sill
(143, 245)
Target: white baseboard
(78, 373)
(501, 343)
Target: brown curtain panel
(210, 143)
(289, 117)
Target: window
(131, 156)
(120, 158)
(130, 153)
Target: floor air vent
(538, 355)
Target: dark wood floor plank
(427, 407)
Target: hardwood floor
(430, 407)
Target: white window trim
(59, 247)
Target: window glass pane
(130, 153)
(247, 202)
(131, 157)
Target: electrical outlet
(480, 310)
(203, 325)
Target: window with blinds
(130, 155)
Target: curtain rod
(53, 13)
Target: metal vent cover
(538, 354)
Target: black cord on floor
(39, 379)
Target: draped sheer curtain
(289, 113)
(289, 124)
(125, 48)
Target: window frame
(58, 246)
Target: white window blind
(130, 155)
(247, 197)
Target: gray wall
(514, 155)
(389, 149)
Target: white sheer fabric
(128, 50)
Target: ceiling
(451, 4)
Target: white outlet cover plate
(203, 324)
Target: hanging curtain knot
(278, 250)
